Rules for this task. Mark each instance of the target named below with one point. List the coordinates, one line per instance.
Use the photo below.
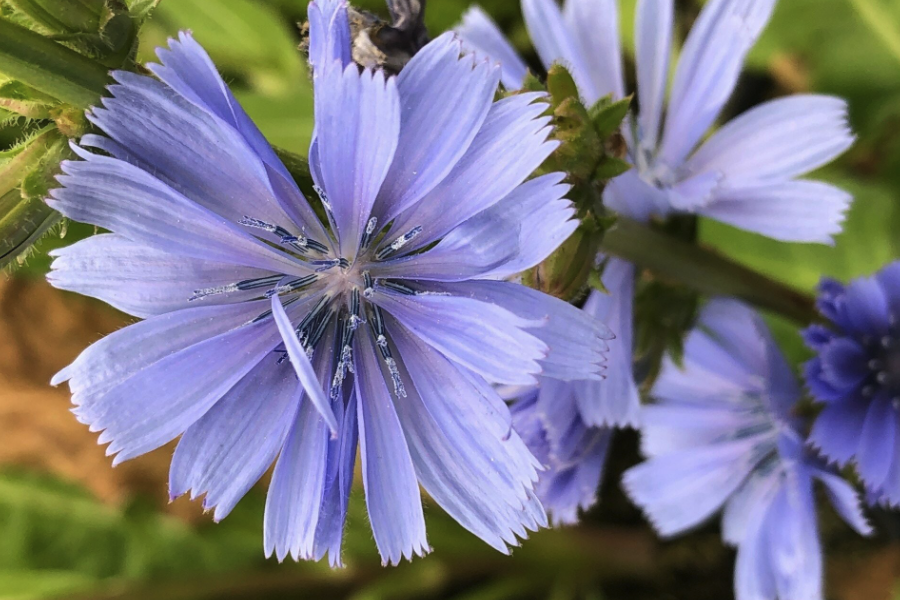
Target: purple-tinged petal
(577, 341)
(338, 481)
(653, 45)
(633, 197)
(889, 278)
(792, 211)
(821, 390)
(615, 401)
(392, 491)
(479, 473)
(483, 337)
(566, 490)
(444, 100)
(594, 24)
(227, 451)
(837, 430)
(778, 140)
(758, 491)
(120, 197)
(192, 150)
(817, 336)
(479, 33)
(329, 33)
(681, 490)
(142, 281)
(877, 438)
(474, 249)
(510, 146)
(313, 388)
(161, 401)
(708, 71)
(865, 309)
(357, 127)
(846, 501)
(739, 330)
(844, 364)
(694, 193)
(675, 426)
(547, 220)
(555, 43)
(118, 356)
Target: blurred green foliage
(59, 542)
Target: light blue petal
(846, 501)
(474, 249)
(866, 308)
(357, 127)
(547, 220)
(142, 281)
(392, 491)
(708, 71)
(115, 195)
(309, 380)
(795, 211)
(338, 481)
(510, 146)
(444, 101)
(652, 46)
(118, 356)
(329, 33)
(295, 495)
(781, 139)
(694, 193)
(162, 400)
(631, 196)
(479, 473)
(594, 24)
(227, 451)
(681, 490)
(754, 578)
(577, 341)
(480, 34)
(555, 43)
(486, 338)
(737, 518)
(194, 151)
(615, 401)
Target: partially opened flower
(722, 438)
(744, 174)
(856, 375)
(272, 333)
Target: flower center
(884, 368)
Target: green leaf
(883, 22)
(40, 584)
(62, 16)
(243, 37)
(608, 116)
(611, 167)
(286, 119)
(50, 67)
(18, 98)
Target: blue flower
(745, 174)
(721, 437)
(272, 335)
(856, 375)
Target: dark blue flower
(721, 437)
(856, 375)
(274, 336)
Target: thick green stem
(705, 270)
(50, 67)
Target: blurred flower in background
(856, 376)
(721, 437)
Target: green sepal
(561, 85)
(581, 148)
(50, 67)
(608, 116)
(531, 84)
(664, 314)
(565, 274)
(611, 167)
(26, 176)
(61, 16)
(18, 98)
(141, 9)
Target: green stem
(881, 22)
(705, 270)
(50, 67)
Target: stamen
(370, 232)
(399, 243)
(214, 291)
(370, 290)
(292, 286)
(241, 286)
(283, 233)
(268, 313)
(254, 284)
(399, 389)
(325, 265)
(398, 287)
(324, 198)
(344, 263)
(317, 246)
(308, 319)
(319, 330)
